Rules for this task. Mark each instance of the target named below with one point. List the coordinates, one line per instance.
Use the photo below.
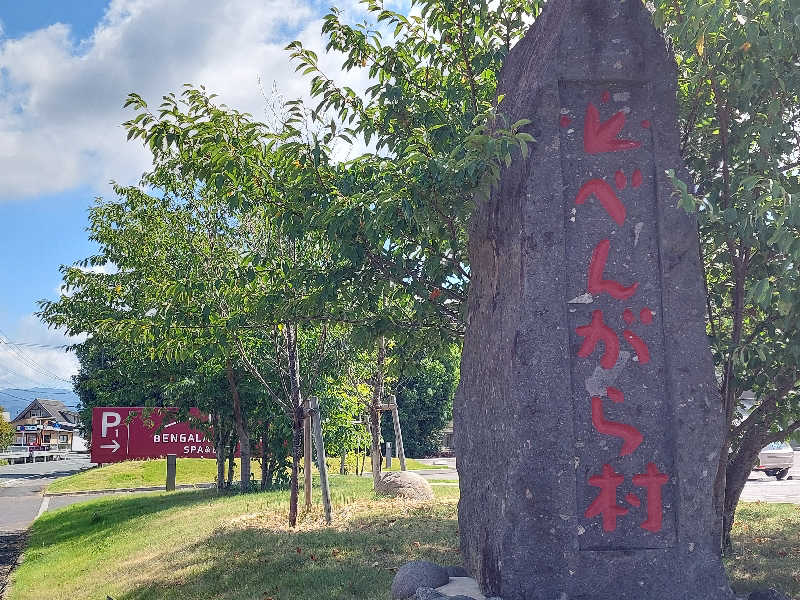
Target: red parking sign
(124, 433)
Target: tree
(111, 374)
(6, 432)
(739, 92)
(167, 284)
(424, 391)
(342, 402)
(400, 217)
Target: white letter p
(110, 419)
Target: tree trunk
(342, 462)
(739, 467)
(720, 486)
(241, 428)
(297, 451)
(231, 455)
(298, 417)
(375, 415)
(264, 472)
(728, 391)
(221, 443)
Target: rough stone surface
(406, 485)
(417, 574)
(459, 587)
(527, 429)
(768, 594)
(457, 571)
(426, 593)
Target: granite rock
(427, 593)
(456, 571)
(417, 574)
(405, 484)
(551, 505)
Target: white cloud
(61, 102)
(37, 357)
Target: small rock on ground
(417, 574)
(405, 485)
(456, 571)
(426, 593)
(462, 587)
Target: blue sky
(23, 17)
(65, 69)
(41, 232)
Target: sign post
(588, 423)
(171, 471)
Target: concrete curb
(158, 488)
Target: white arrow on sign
(114, 446)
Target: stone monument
(588, 421)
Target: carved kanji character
(652, 480)
(631, 436)
(601, 137)
(606, 501)
(598, 285)
(598, 331)
(608, 198)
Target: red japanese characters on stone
(598, 331)
(620, 180)
(652, 480)
(633, 499)
(615, 395)
(606, 502)
(601, 136)
(598, 285)
(631, 437)
(608, 198)
(638, 345)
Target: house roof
(55, 408)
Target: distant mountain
(14, 400)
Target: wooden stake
(398, 434)
(307, 453)
(319, 442)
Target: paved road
(759, 487)
(768, 489)
(21, 488)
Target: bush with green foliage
(425, 402)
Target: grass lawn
(148, 473)
(196, 545)
(766, 548)
(139, 473)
